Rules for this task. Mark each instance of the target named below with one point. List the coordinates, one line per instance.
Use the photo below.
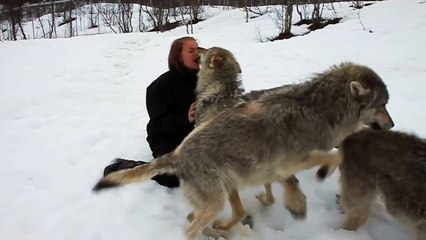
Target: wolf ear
(216, 61)
(239, 68)
(357, 89)
(201, 51)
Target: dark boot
(121, 164)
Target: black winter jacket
(168, 99)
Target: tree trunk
(12, 23)
(288, 19)
(53, 21)
(70, 17)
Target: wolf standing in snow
(388, 164)
(266, 140)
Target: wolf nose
(389, 124)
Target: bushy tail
(333, 161)
(142, 173)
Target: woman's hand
(191, 113)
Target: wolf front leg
(294, 198)
(357, 197)
(266, 198)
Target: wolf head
(368, 89)
(219, 83)
(217, 58)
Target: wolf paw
(296, 204)
(215, 233)
(265, 200)
(299, 215)
(221, 226)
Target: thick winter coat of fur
(219, 86)
(388, 164)
(266, 140)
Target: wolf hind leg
(209, 231)
(238, 212)
(202, 216)
(294, 198)
(201, 220)
(207, 203)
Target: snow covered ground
(69, 106)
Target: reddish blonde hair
(175, 59)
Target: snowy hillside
(70, 106)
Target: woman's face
(189, 54)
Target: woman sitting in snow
(169, 101)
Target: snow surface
(69, 106)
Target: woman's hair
(175, 59)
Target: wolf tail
(142, 173)
(333, 161)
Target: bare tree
(288, 19)
(38, 15)
(193, 10)
(158, 16)
(256, 10)
(153, 15)
(162, 14)
(278, 18)
(303, 12)
(141, 25)
(53, 25)
(125, 11)
(182, 11)
(4, 27)
(15, 15)
(358, 4)
(317, 15)
(283, 19)
(70, 18)
(108, 14)
(196, 11)
(93, 16)
(190, 22)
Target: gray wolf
(219, 86)
(266, 140)
(295, 200)
(389, 164)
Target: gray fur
(282, 124)
(269, 139)
(256, 94)
(390, 164)
(219, 84)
